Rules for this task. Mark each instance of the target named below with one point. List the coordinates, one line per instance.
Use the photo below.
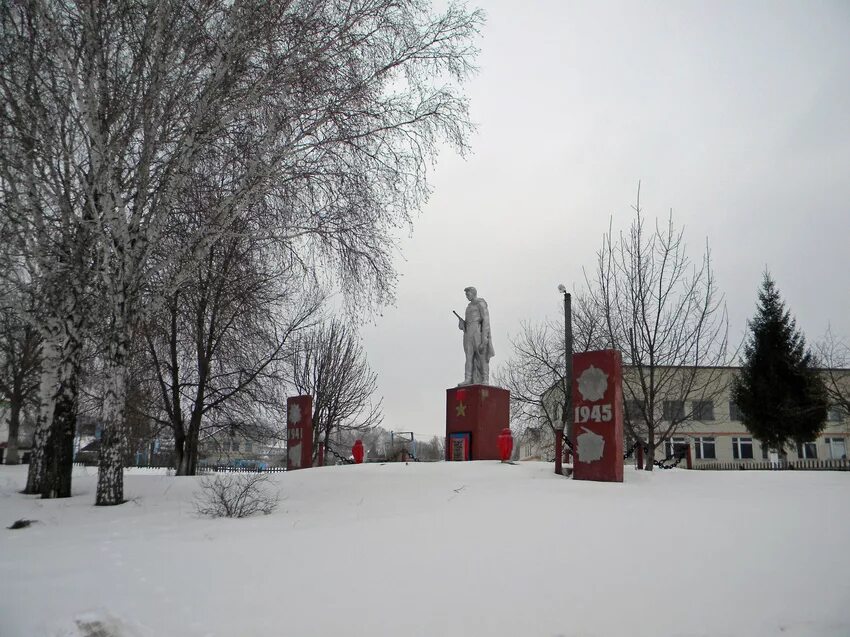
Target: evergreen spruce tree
(779, 392)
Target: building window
(807, 450)
(734, 412)
(674, 409)
(837, 448)
(234, 445)
(742, 448)
(225, 446)
(249, 447)
(676, 447)
(634, 410)
(834, 414)
(704, 447)
(703, 410)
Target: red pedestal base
(475, 416)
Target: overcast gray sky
(735, 115)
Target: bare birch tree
(338, 107)
(664, 313)
(46, 241)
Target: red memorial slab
(475, 416)
(598, 416)
(299, 432)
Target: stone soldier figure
(477, 342)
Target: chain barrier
(333, 452)
(337, 456)
(569, 444)
(631, 451)
(658, 463)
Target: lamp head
(561, 288)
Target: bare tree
(667, 318)
(833, 355)
(330, 365)
(338, 108)
(19, 372)
(535, 372)
(217, 347)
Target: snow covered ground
(436, 549)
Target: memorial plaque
(598, 416)
(459, 446)
(299, 432)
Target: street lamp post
(567, 415)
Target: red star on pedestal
(460, 409)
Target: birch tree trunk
(110, 477)
(59, 447)
(47, 400)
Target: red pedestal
(299, 432)
(598, 416)
(475, 416)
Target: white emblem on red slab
(592, 384)
(295, 414)
(590, 446)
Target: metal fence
(200, 469)
(237, 469)
(840, 464)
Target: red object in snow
(357, 451)
(506, 444)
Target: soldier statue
(477, 341)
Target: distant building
(242, 446)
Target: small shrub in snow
(235, 496)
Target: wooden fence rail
(838, 464)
